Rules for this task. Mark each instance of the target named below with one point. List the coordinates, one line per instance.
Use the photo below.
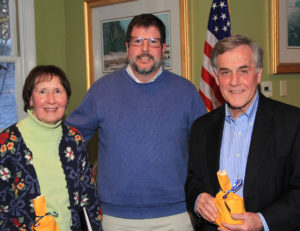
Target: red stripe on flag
(209, 79)
(207, 49)
(207, 102)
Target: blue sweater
(143, 132)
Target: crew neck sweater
(143, 132)
(43, 140)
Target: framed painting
(100, 16)
(285, 36)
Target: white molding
(27, 49)
(27, 27)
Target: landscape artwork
(293, 13)
(113, 42)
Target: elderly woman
(40, 155)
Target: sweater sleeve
(85, 116)
(199, 108)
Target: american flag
(218, 28)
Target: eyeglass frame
(148, 40)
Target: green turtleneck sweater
(43, 140)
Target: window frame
(22, 24)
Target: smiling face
(49, 100)
(238, 78)
(145, 61)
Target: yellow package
(44, 221)
(227, 202)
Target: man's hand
(251, 222)
(206, 207)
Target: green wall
(50, 32)
(75, 50)
(60, 40)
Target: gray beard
(146, 71)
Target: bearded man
(143, 115)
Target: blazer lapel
(259, 141)
(214, 147)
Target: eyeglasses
(139, 41)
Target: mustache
(145, 55)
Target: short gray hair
(232, 42)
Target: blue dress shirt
(235, 143)
(236, 139)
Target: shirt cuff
(266, 227)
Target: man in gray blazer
(253, 138)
